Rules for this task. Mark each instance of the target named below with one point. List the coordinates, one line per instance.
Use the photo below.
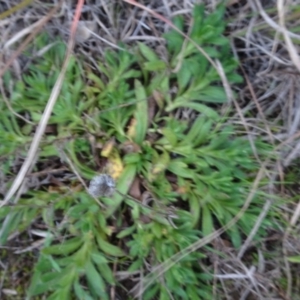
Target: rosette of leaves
(199, 167)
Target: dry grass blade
(45, 117)
(268, 203)
(256, 227)
(290, 46)
(273, 24)
(37, 28)
(293, 221)
(30, 29)
(230, 96)
(17, 7)
(251, 89)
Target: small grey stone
(102, 185)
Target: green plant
(198, 171)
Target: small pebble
(102, 185)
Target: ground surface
(195, 133)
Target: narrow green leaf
(170, 136)
(212, 52)
(151, 292)
(194, 131)
(147, 52)
(123, 185)
(157, 230)
(80, 292)
(54, 264)
(61, 293)
(78, 210)
(52, 279)
(235, 236)
(65, 248)
(98, 258)
(141, 114)
(180, 169)
(192, 292)
(97, 80)
(12, 220)
(204, 133)
(155, 65)
(36, 286)
(126, 232)
(164, 294)
(94, 279)
(136, 265)
(209, 112)
(109, 248)
(185, 150)
(207, 222)
(131, 74)
(294, 259)
(184, 75)
(175, 39)
(106, 273)
(161, 163)
(194, 203)
(212, 94)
